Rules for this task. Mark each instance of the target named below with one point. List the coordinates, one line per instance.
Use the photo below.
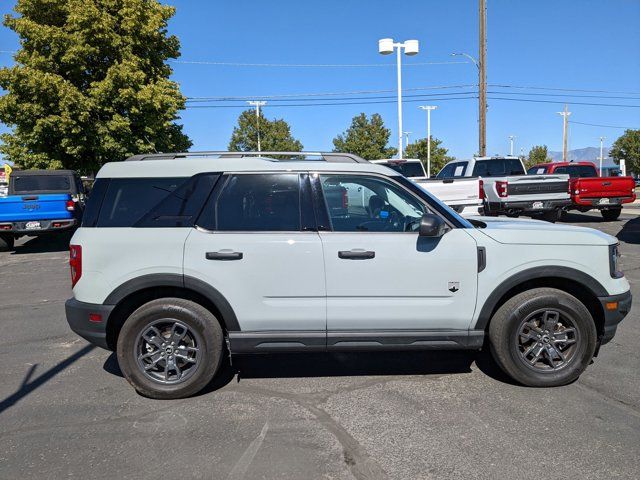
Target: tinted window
(358, 203)
(408, 169)
(264, 202)
(127, 200)
(181, 208)
(41, 183)
(513, 166)
(94, 201)
(537, 171)
(453, 170)
(578, 171)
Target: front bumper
(44, 226)
(529, 206)
(614, 316)
(92, 330)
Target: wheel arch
(136, 292)
(574, 282)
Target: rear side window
(408, 169)
(127, 200)
(41, 184)
(261, 202)
(94, 201)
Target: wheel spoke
(530, 335)
(550, 319)
(152, 336)
(178, 332)
(566, 336)
(537, 351)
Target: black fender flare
(564, 273)
(181, 281)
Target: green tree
(439, 155)
(90, 83)
(627, 147)
(275, 135)
(366, 138)
(537, 154)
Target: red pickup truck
(589, 190)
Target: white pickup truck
(464, 195)
(508, 190)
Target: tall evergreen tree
(90, 83)
(537, 154)
(367, 138)
(275, 135)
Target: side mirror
(431, 226)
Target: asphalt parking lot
(66, 411)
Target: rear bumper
(612, 202)
(78, 319)
(528, 206)
(46, 226)
(613, 317)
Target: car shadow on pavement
(28, 385)
(43, 244)
(630, 232)
(576, 217)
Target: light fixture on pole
(386, 47)
(511, 138)
(601, 154)
(428, 109)
(257, 104)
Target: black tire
(562, 215)
(204, 331)
(611, 214)
(6, 243)
(506, 338)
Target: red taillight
(501, 188)
(481, 193)
(6, 226)
(75, 263)
(345, 199)
(71, 205)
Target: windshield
(408, 169)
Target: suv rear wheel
(170, 348)
(543, 337)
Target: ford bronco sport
(183, 257)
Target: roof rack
(308, 156)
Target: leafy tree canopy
(367, 138)
(439, 155)
(537, 154)
(90, 83)
(275, 135)
(627, 147)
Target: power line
(309, 65)
(563, 102)
(605, 126)
(562, 89)
(380, 97)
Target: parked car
(509, 190)
(589, 190)
(40, 202)
(213, 254)
(464, 195)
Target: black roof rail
(335, 157)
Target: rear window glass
(41, 183)
(127, 200)
(453, 170)
(408, 169)
(537, 171)
(578, 171)
(498, 167)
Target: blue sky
(572, 44)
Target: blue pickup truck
(40, 202)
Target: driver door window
(369, 204)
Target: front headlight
(614, 261)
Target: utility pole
(482, 80)
(565, 122)
(601, 154)
(428, 109)
(511, 137)
(257, 104)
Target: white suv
(182, 256)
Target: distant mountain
(588, 154)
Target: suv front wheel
(170, 348)
(543, 337)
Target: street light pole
(406, 139)
(257, 104)
(482, 101)
(565, 121)
(511, 137)
(428, 109)
(601, 154)
(386, 46)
